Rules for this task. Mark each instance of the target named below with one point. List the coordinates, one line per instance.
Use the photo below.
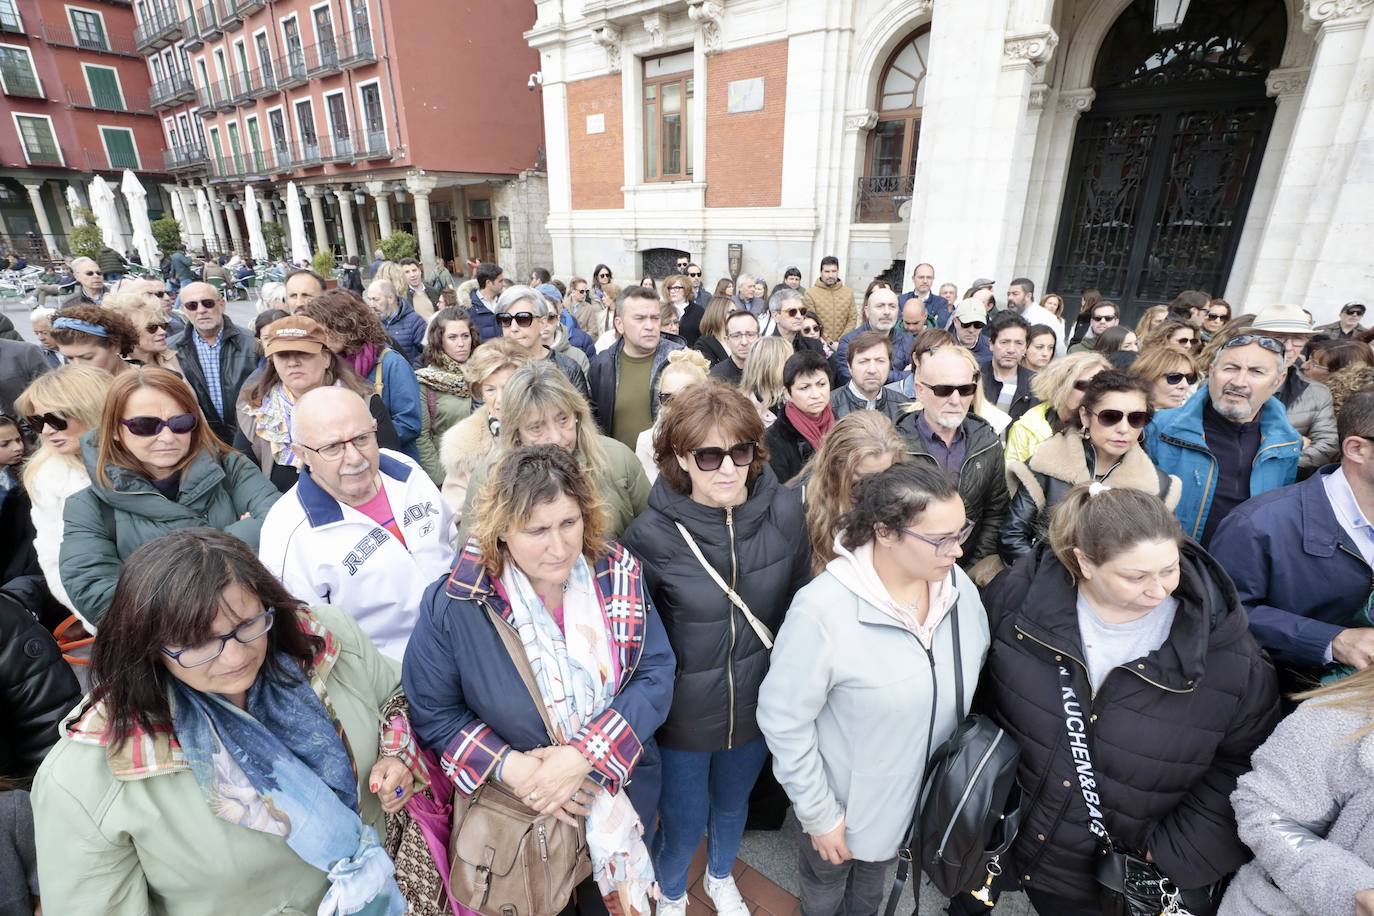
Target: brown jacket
(835, 306)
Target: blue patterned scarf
(283, 767)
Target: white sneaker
(666, 907)
(725, 895)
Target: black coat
(238, 360)
(761, 549)
(689, 326)
(1168, 735)
(37, 689)
(709, 346)
(788, 450)
(992, 389)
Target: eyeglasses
(1185, 341)
(254, 628)
(1268, 343)
(694, 276)
(743, 335)
(664, 397)
(711, 458)
(147, 427)
(336, 449)
(1173, 378)
(794, 312)
(677, 286)
(945, 544)
(192, 305)
(523, 319)
(155, 326)
(1218, 316)
(944, 391)
(810, 330)
(1103, 317)
(1138, 419)
(55, 420)
(161, 294)
(90, 273)
(976, 325)
(1353, 310)
(604, 275)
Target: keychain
(1171, 905)
(984, 893)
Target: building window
(120, 148)
(668, 89)
(89, 29)
(40, 144)
(17, 74)
(889, 174)
(105, 91)
(9, 17)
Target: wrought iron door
(1157, 194)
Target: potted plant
(399, 244)
(167, 234)
(323, 264)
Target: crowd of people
(617, 566)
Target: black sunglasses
(976, 325)
(1353, 310)
(711, 458)
(794, 313)
(1173, 378)
(192, 305)
(524, 319)
(147, 427)
(55, 420)
(1103, 317)
(154, 326)
(694, 275)
(161, 294)
(1218, 316)
(1138, 419)
(944, 391)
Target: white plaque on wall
(596, 123)
(746, 95)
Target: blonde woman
(1060, 387)
(150, 323)
(683, 368)
(864, 442)
(1153, 317)
(468, 442)
(762, 378)
(60, 407)
(1172, 376)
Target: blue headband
(76, 324)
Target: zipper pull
(543, 844)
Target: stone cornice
(1287, 82)
(608, 37)
(1319, 13)
(1030, 49)
(708, 14)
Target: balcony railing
(97, 160)
(372, 144)
(43, 154)
(102, 99)
(9, 17)
(240, 85)
(60, 35)
(356, 49)
(172, 90)
(322, 59)
(262, 82)
(880, 197)
(21, 83)
(207, 22)
(212, 98)
(181, 158)
(248, 7)
(308, 154)
(291, 69)
(229, 16)
(160, 28)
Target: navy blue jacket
(483, 318)
(582, 340)
(469, 705)
(901, 354)
(408, 329)
(1300, 576)
(937, 309)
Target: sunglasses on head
(711, 458)
(944, 391)
(524, 319)
(1173, 378)
(192, 305)
(147, 427)
(55, 420)
(1138, 419)
(1268, 343)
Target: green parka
(216, 492)
(440, 411)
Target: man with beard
(1231, 440)
(832, 301)
(880, 314)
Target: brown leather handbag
(505, 858)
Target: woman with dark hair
(1088, 300)
(604, 290)
(862, 681)
(297, 362)
(445, 397)
(354, 331)
(712, 343)
(1116, 340)
(155, 466)
(1122, 663)
(232, 748)
(1326, 357)
(1060, 387)
(1040, 343)
(723, 556)
(1172, 333)
(90, 335)
(1100, 444)
(800, 428)
(540, 589)
(725, 287)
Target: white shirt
(1348, 512)
(1035, 313)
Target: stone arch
(871, 49)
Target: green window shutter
(39, 142)
(105, 89)
(120, 143)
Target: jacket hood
(1209, 614)
(403, 308)
(707, 523)
(129, 491)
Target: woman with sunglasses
(723, 555)
(1173, 334)
(90, 335)
(1060, 387)
(151, 324)
(604, 290)
(1102, 444)
(155, 466)
(683, 368)
(862, 682)
(59, 407)
(1122, 641)
(233, 754)
(1170, 374)
(1217, 317)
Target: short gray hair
(517, 294)
(778, 301)
(382, 287)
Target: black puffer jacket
(788, 450)
(36, 689)
(761, 549)
(1169, 734)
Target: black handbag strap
(1076, 721)
(904, 852)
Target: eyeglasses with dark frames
(1173, 378)
(677, 286)
(147, 427)
(664, 397)
(336, 449)
(523, 319)
(943, 545)
(153, 327)
(944, 391)
(694, 276)
(1218, 316)
(251, 630)
(1107, 317)
(38, 421)
(1138, 419)
(711, 458)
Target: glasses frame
(1173, 378)
(195, 305)
(1130, 416)
(523, 319)
(698, 453)
(945, 544)
(51, 418)
(161, 424)
(270, 614)
(326, 451)
(1273, 345)
(964, 391)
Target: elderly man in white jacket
(364, 529)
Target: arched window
(1219, 39)
(890, 159)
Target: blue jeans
(703, 792)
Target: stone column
(316, 195)
(217, 214)
(379, 193)
(185, 209)
(35, 189)
(265, 208)
(235, 233)
(59, 198)
(420, 188)
(345, 198)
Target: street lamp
(1169, 14)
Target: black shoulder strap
(1076, 720)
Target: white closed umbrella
(74, 206)
(207, 223)
(137, 199)
(107, 214)
(295, 222)
(257, 245)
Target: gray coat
(1312, 415)
(1305, 810)
(846, 708)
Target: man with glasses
(1190, 307)
(216, 356)
(522, 313)
(1347, 325)
(970, 318)
(788, 310)
(1308, 403)
(624, 378)
(483, 300)
(90, 283)
(700, 294)
(741, 333)
(1302, 558)
(946, 434)
(1104, 315)
(364, 528)
(880, 314)
(1232, 439)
